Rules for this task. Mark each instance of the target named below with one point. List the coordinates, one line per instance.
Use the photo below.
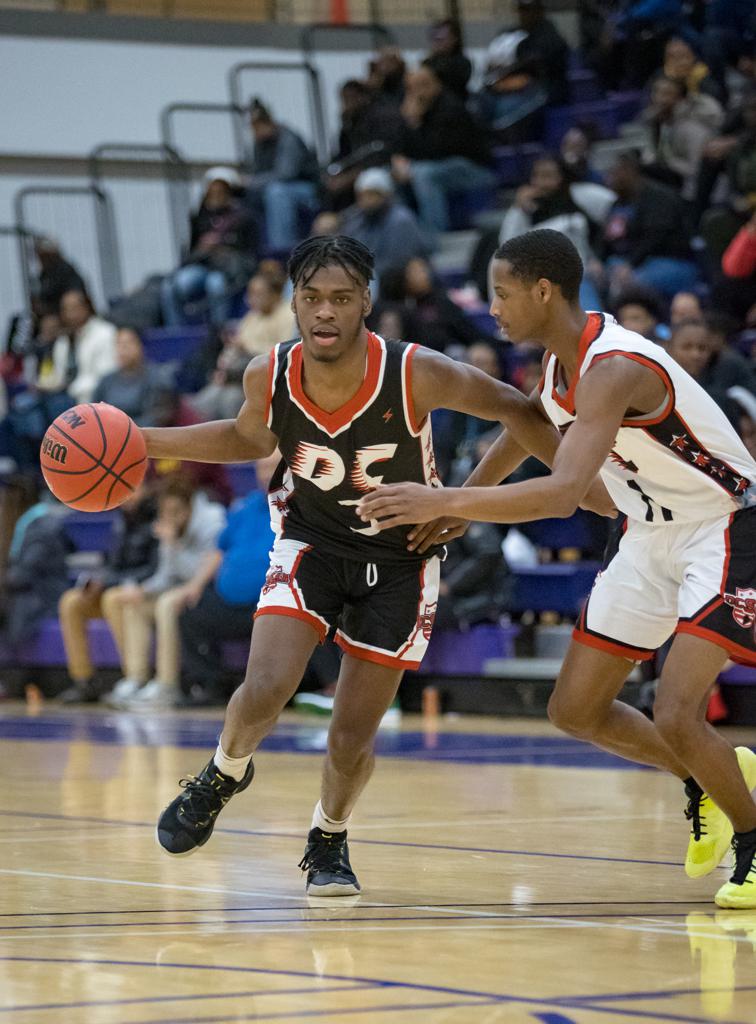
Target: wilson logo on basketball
(72, 418)
(54, 450)
(275, 576)
(743, 604)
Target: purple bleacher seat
(165, 344)
(512, 163)
(559, 587)
(607, 114)
(583, 85)
(464, 653)
(90, 531)
(740, 675)
(467, 205)
(573, 532)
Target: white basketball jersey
(683, 462)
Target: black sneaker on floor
(326, 861)
(188, 822)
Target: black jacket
(653, 223)
(134, 554)
(447, 129)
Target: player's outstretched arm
(240, 440)
(600, 405)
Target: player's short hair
(545, 253)
(312, 255)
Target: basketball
(93, 457)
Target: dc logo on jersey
(325, 468)
(275, 575)
(743, 604)
(425, 619)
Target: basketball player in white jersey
(684, 565)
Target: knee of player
(572, 717)
(346, 751)
(675, 719)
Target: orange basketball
(93, 457)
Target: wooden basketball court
(510, 874)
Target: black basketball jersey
(331, 459)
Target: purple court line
(187, 998)
(364, 842)
(328, 1013)
(493, 997)
(373, 906)
(671, 993)
(429, 916)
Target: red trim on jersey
(728, 552)
(415, 427)
(705, 450)
(271, 378)
(377, 657)
(294, 613)
(334, 421)
(708, 608)
(640, 421)
(742, 654)
(615, 647)
(420, 601)
(594, 325)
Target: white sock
(321, 820)
(233, 766)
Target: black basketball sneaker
(326, 861)
(187, 823)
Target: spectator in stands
(575, 152)
(645, 237)
(223, 247)
(726, 367)
(388, 228)
(387, 72)
(736, 132)
(441, 150)
(56, 276)
(447, 58)
(680, 125)
(546, 202)
(97, 595)
(86, 350)
(223, 595)
(37, 573)
(282, 178)
(370, 128)
(685, 306)
(739, 266)
(326, 223)
(625, 41)
(476, 584)
(131, 386)
(270, 319)
(743, 414)
(173, 410)
(187, 528)
(639, 309)
(431, 316)
(683, 63)
(526, 69)
(689, 345)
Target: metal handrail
(168, 112)
(314, 97)
(176, 175)
(379, 33)
(107, 241)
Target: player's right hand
(438, 531)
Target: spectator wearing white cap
(386, 227)
(222, 250)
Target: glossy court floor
(510, 874)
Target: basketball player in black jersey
(347, 411)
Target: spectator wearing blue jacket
(225, 595)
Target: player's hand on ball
(438, 531)
(401, 504)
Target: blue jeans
(435, 181)
(589, 296)
(193, 281)
(668, 276)
(283, 202)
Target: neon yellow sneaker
(740, 892)
(710, 829)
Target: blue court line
(429, 916)
(187, 998)
(361, 842)
(671, 993)
(492, 997)
(328, 1013)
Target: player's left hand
(401, 504)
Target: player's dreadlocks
(312, 255)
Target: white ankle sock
(321, 820)
(233, 766)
